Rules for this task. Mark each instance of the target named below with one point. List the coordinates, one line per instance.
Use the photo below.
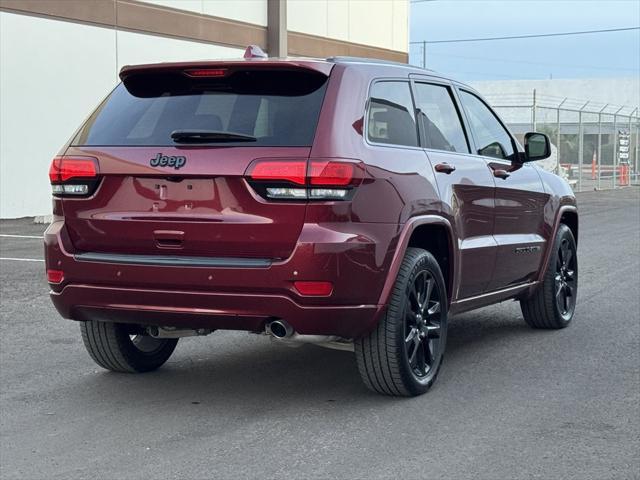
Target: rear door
(173, 151)
(519, 197)
(465, 183)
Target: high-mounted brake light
(315, 179)
(206, 72)
(82, 171)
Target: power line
(567, 65)
(560, 34)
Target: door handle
(444, 168)
(500, 173)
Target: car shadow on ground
(217, 373)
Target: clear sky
(615, 54)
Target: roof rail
(346, 59)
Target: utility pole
(424, 54)
(277, 28)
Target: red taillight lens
(206, 72)
(313, 179)
(54, 169)
(293, 171)
(318, 289)
(331, 173)
(65, 168)
(55, 276)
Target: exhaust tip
(279, 329)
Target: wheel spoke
(435, 308)
(411, 336)
(421, 358)
(430, 350)
(568, 256)
(560, 299)
(416, 347)
(564, 247)
(428, 291)
(433, 331)
(414, 294)
(569, 290)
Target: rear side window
(492, 139)
(271, 108)
(391, 117)
(439, 119)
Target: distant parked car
(344, 202)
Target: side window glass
(391, 117)
(491, 137)
(439, 118)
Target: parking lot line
(39, 237)
(22, 259)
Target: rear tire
(553, 304)
(403, 355)
(112, 346)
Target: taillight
(293, 171)
(315, 179)
(55, 276)
(316, 289)
(73, 175)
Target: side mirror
(536, 147)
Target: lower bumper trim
(173, 260)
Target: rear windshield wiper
(209, 136)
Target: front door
(464, 181)
(518, 227)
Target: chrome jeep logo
(168, 161)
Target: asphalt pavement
(510, 402)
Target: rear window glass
(271, 108)
(391, 114)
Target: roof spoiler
(254, 58)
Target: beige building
(59, 58)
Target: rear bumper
(234, 298)
(209, 310)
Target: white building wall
(380, 23)
(250, 11)
(52, 75)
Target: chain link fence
(594, 145)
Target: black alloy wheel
(423, 349)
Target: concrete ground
(510, 402)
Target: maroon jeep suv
(344, 202)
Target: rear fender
(401, 248)
(556, 225)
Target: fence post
(600, 144)
(533, 112)
(580, 150)
(637, 141)
(558, 132)
(615, 147)
(636, 150)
